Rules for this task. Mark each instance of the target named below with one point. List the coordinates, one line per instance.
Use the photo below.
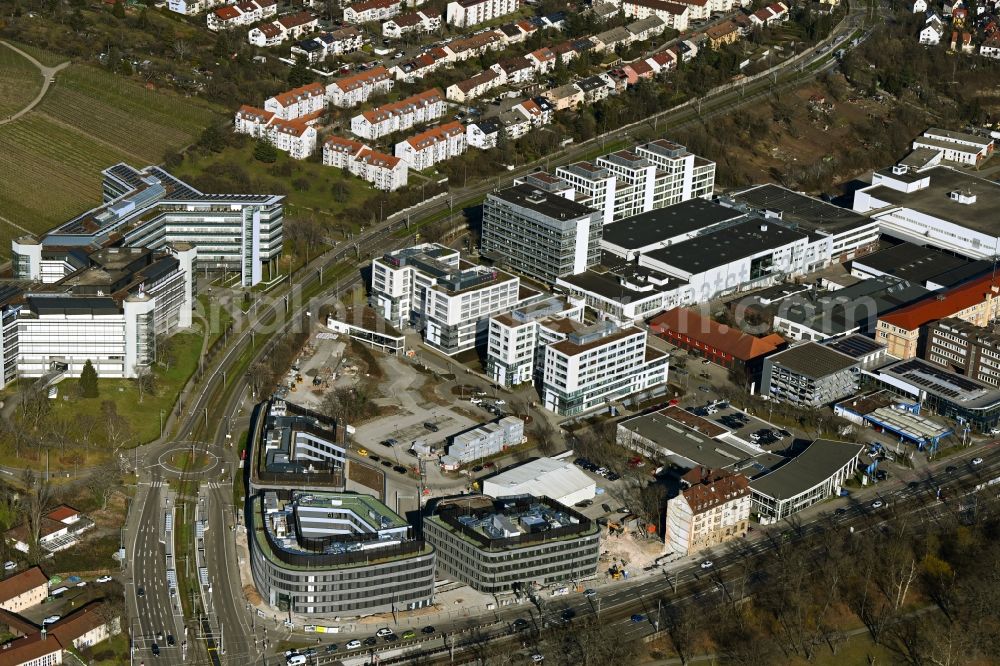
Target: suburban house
(515, 70)
(372, 10)
(357, 88)
(723, 33)
(86, 626)
(248, 12)
(673, 14)
(60, 529)
(404, 24)
(293, 26)
(437, 144)
(932, 32)
(776, 12)
(316, 49)
(474, 87)
(568, 96)
(383, 171)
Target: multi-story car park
(150, 208)
(810, 374)
(451, 299)
(317, 553)
(498, 546)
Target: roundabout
(187, 458)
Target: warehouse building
(559, 480)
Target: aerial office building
(240, 233)
(508, 544)
(317, 553)
(540, 233)
(430, 286)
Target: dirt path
(48, 76)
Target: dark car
(568, 614)
(913, 484)
(391, 442)
(155, 649)
(637, 618)
(373, 457)
(427, 630)
(140, 591)
(584, 504)
(613, 476)
(477, 468)
(520, 624)
(606, 507)
(332, 647)
(704, 389)
(881, 475)
(170, 640)
(391, 638)
(841, 511)
(386, 463)
(950, 469)
(400, 469)
(431, 426)
(370, 641)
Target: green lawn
(112, 652)
(89, 120)
(144, 417)
(20, 81)
(282, 176)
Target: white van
(297, 660)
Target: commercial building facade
(486, 440)
(515, 350)
(336, 554)
(507, 545)
(540, 234)
(970, 350)
(815, 474)
(149, 208)
(451, 300)
(712, 508)
(597, 365)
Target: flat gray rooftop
(664, 223)
(805, 211)
(813, 360)
(716, 248)
(983, 216)
(821, 460)
(545, 203)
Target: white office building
(598, 365)
(486, 440)
(451, 300)
(515, 349)
(240, 233)
(540, 233)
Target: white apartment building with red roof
(437, 144)
(239, 14)
(383, 171)
(357, 88)
(297, 136)
(402, 115)
(303, 101)
(292, 26)
(372, 10)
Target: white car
(51, 619)
(9, 566)
(103, 579)
(707, 564)
(878, 504)
(476, 401)
(353, 645)
(82, 583)
(499, 403)
(977, 461)
(383, 632)
(537, 658)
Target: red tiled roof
(659, 5)
(62, 512)
(227, 13)
(378, 159)
(269, 30)
(728, 340)
(479, 79)
(354, 81)
(940, 305)
(297, 19)
(435, 135)
(361, 7)
(253, 113)
(28, 649)
(344, 145)
(71, 627)
(712, 488)
(289, 97)
(640, 67)
(380, 113)
(19, 583)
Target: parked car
(383, 632)
(537, 657)
(878, 504)
(977, 461)
(9, 565)
(103, 579)
(427, 630)
(704, 389)
(638, 617)
(707, 564)
(408, 634)
(431, 426)
(589, 593)
(353, 645)
(584, 504)
(51, 619)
